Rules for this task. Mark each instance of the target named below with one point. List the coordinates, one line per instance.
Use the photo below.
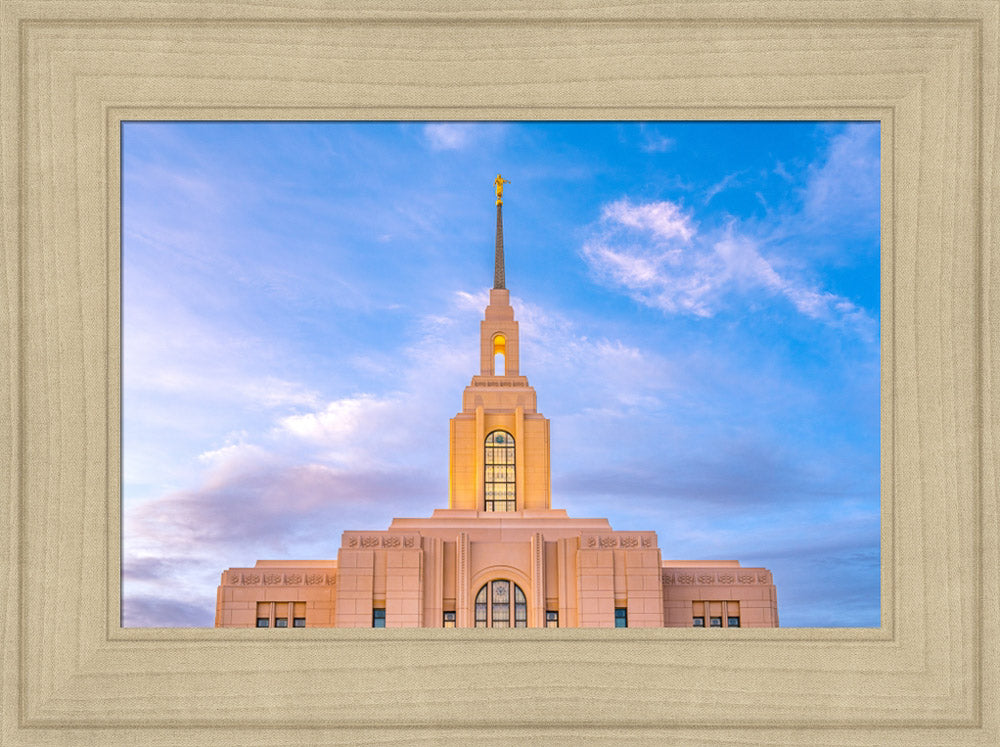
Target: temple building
(499, 555)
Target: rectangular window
(281, 614)
(277, 614)
(716, 613)
(264, 614)
(378, 617)
(621, 617)
(551, 619)
(449, 619)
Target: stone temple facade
(499, 555)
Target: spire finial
(498, 278)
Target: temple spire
(498, 278)
(498, 274)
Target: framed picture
(926, 73)
(689, 317)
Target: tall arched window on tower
(500, 472)
(493, 606)
(499, 355)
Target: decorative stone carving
(591, 541)
(685, 578)
(764, 578)
(746, 578)
(668, 579)
(647, 541)
(272, 579)
(314, 579)
(408, 541)
(609, 540)
(630, 541)
(369, 541)
(352, 541)
(726, 579)
(251, 579)
(706, 578)
(234, 578)
(293, 579)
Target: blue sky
(699, 310)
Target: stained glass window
(501, 605)
(520, 608)
(500, 494)
(482, 616)
(494, 602)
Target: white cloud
(665, 220)
(654, 253)
(654, 142)
(344, 423)
(844, 189)
(448, 135)
(744, 263)
(722, 184)
(460, 135)
(472, 301)
(646, 249)
(230, 453)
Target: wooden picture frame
(72, 71)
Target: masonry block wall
(619, 571)
(708, 591)
(242, 591)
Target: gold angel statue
(498, 183)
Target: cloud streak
(444, 136)
(843, 188)
(653, 252)
(654, 142)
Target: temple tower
(499, 456)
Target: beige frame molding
(71, 71)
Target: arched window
(500, 472)
(499, 355)
(494, 604)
